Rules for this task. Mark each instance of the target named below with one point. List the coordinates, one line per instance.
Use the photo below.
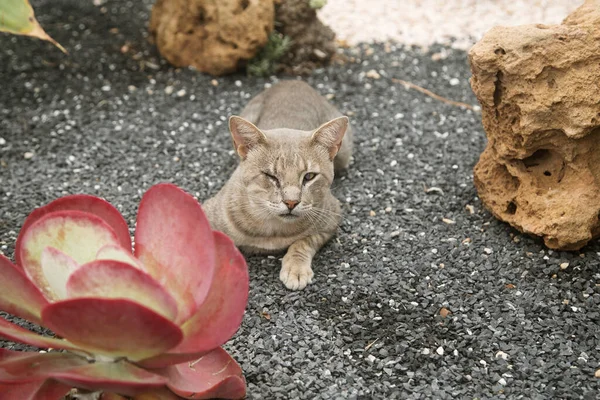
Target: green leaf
(316, 4)
(16, 16)
(266, 61)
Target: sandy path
(424, 22)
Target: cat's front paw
(295, 274)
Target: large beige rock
(216, 37)
(539, 87)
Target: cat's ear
(245, 135)
(330, 135)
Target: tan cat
(290, 140)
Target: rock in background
(312, 42)
(539, 87)
(215, 37)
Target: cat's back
(291, 104)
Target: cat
(290, 141)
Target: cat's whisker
(318, 215)
(326, 212)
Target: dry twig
(371, 344)
(431, 94)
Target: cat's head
(287, 173)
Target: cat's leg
(296, 271)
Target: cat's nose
(291, 204)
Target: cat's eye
(271, 177)
(309, 176)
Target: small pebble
(564, 265)
(28, 155)
(440, 351)
(487, 250)
(373, 74)
(169, 90)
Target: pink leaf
(117, 253)
(157, 394)
(15, 333)
(215, 375)
(111, 396)
(18, 296)
(37, 390)
(112, 327)
(174, 241)
(77, 234)
(56, 268)
(84, 203)
(119, 377)
(220, 316)
(114, 279)
(22, 366)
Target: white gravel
(425, 22)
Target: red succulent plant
(147, 324)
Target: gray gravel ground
(370, 325)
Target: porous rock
(539, 88)
(216, 37)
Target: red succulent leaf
(112, 327)
(115, 279)
(117, 253)
(23, 367)
(215, 375)
(221, 314)
(174, 241)
(119, 377)
(77, 234)
(15, 333)
(158, 394)
(79, 202)
(168, 359)
(56, 267)
(111, 396)
(37, 390)
(19, 296)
